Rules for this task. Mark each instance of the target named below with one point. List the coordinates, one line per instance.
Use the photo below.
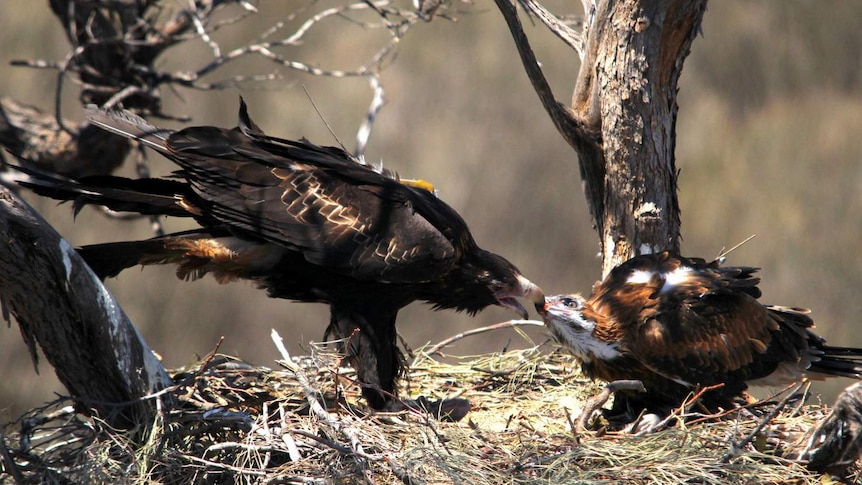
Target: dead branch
(599, 400)
(114, 49)
(768, 418)
(476, 331)
(62, 306)
(572, 37)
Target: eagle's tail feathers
(143, 196)
(109, 259)
(839, 361)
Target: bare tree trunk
(623, 116)
(61, 305)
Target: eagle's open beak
(527, 290)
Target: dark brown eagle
(677, 323)
(304, 222)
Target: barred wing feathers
(316, 200)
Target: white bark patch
(123, 335)
(66, 250)
(610, 244)
(647, 249)
(647, 209)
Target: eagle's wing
(705, 341)
(320, 201)
(338, 213)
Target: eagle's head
(573, 325)
(485, 279)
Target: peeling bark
(638, 60)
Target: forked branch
(623, 115)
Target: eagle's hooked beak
(527, 289)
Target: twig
(683, 410)
(322, 118)
(292, 449)
(265, 48)
(563, 117)
(209, 358)
(572, 426)
(722, 254)
(202, 31)
(497, 326)
(596, 402)
(295, 479)
(314, 404)
(364, 132)
(289, 364)
(569, 36)
(345, 450)
(224, 466)
(11, 467)
(326, 442)
(399, 472)
(763, 422)
(267, 433)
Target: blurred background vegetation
(769, 142)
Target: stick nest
(242, 424)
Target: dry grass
(242, 424)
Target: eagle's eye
(572, 303)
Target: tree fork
(622, 122)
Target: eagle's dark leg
(372, 350)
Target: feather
(128, 125)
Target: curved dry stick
(599, 400)
(497, 326)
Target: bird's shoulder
(664, 282)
